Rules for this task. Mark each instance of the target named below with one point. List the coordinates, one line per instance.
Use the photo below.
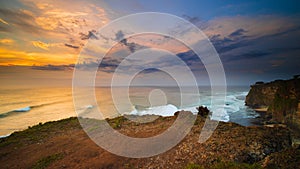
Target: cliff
(280, 97)
(63, 144)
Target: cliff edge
(280, 97)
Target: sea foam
(165, 110)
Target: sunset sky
(41, 39)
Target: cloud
(150, 70)
(3, 21)
(51, 21)
(54, 67)
(241, 37)
(120, 36)
(194, 19)
(90, 35)
(237, 33)
(61, 20)
(21, 20)
(252, 26)
(7, 41)
(71, 46)
(41, 45)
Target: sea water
(23, 107)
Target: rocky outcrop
(281, 97)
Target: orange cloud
(7, 41)
(41, 45)
(43, 5)
(3, 21)
(50, 21)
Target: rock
(282, 97)
(176, 113)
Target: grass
(39, 132)
(117, 122)
(46, 161)
(194, 166)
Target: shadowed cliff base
(63, 144)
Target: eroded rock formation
(280, 97)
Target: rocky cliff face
(281, 97)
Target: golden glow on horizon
(15, 57)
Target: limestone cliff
(281, 97)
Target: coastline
(7, 135)
(261, 119)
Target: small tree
(259, 82)
(203, 111)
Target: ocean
(24, 107)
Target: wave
(24, 109)
(4, 136)
(166, 110)
(234, 108)
(15, 112)
(219, 114)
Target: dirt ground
(63, 144)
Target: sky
(41, 40)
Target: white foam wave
(24, 109)
(166, 110)
(4, 136)
(220, 114)
(234, 107)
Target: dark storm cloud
(150, 70)
(120, 36)
(229, 47)
(109, 64)
(90, 35)
(193, 19)
(71, 46)
(189, 57)
(196, 21)
(234, 40)
(237, 33)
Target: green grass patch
(46, 161)
(194, 166)
(117, 122)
